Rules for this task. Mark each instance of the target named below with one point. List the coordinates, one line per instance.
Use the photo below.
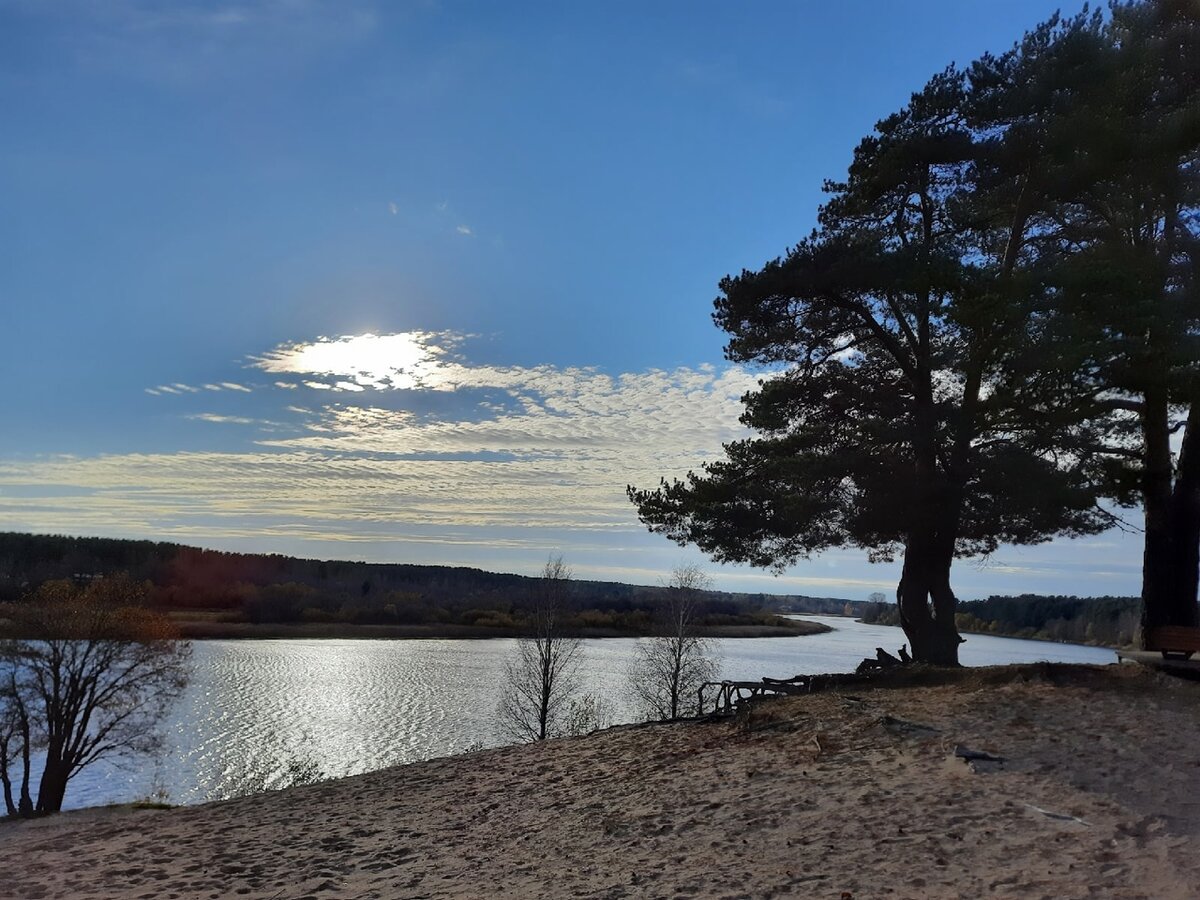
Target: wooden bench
(1174, 641)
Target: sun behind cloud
(403, 360)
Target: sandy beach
(853, 792)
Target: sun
(402, 360)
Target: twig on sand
(1062, 817)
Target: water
(342, 707)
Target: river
(259, 711)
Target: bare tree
(86, 674)
(544, 675)
(671, 666)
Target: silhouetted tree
(900, 409)
(542, 679)
(1119, 107)
(670, 666)
(87, 676)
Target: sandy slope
(818, 796)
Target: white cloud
(548, 448)
(228, 420)
(411, 442)
(403, 360)
(463, 229)
(231, 386)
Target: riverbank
(854, 791)
(192, 629)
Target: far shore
(197, 630)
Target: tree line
(1106, 621)
(991, 337)
(271, 588)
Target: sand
(830, 795)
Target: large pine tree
(901, 411)
(1128, 242)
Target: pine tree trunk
(1180, 603)
(1171, 554)
(927, 605)
(924, 596)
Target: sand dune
(818, 796)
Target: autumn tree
(901, 408)
(543, 678)
(86, 675)
(670, 666)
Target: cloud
(514, 448)
(408, 443)
(402, 360)
(405, 439)
(463, 229)
(230, 420)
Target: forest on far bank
(1104, 621)
(254, 588)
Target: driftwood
(729, 694)
(979, 761)
(884, 660)
(963, 752)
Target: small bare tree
(543, 677)
(671, 666)
(86, 674)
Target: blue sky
(425, 282)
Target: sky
(427, 282)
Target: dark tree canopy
(89, 678)
(919, 391)
(1127, 252)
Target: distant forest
(271, 588)
(1107, 621)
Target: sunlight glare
(404, 360)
